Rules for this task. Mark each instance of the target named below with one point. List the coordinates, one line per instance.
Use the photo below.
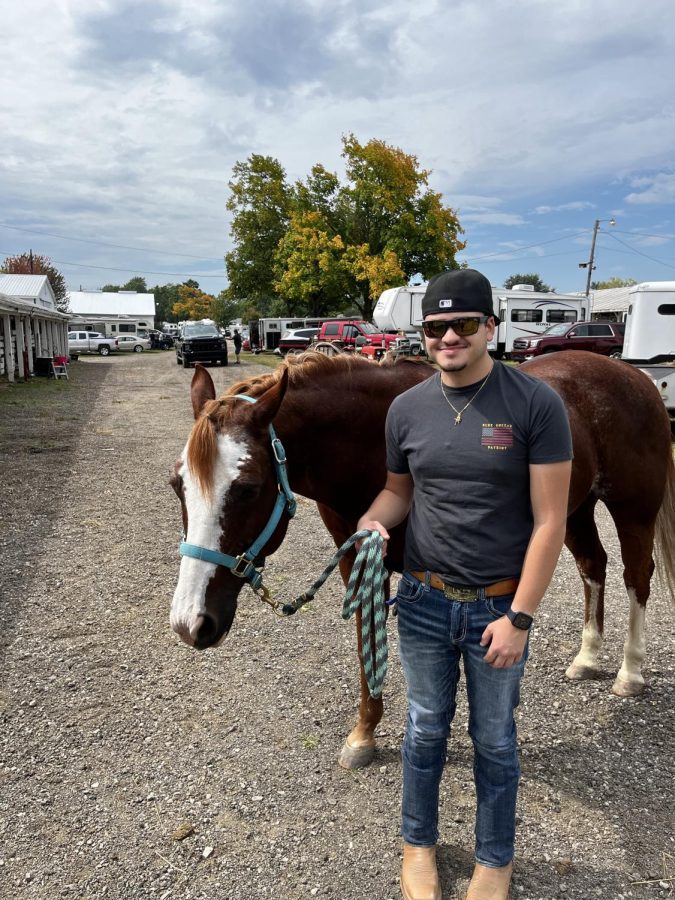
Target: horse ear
(201, 390)
(268, 404)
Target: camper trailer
(522, 311)
(650, 323)
(265, 334)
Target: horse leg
(583, 541)
(359, 747)
(637, 544)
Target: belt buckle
(464, 595)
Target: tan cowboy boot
(490, 884)
(419, 875)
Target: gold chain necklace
(460, 412)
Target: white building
(112, 313)
(31, 327)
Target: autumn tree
(612, 283)
(260, 202)
(36, 264)
(192, 302)
(533, 279)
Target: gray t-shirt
(471, 517)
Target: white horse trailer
(650, 323)
(521, 309)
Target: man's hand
(505, 642)
(372, 525)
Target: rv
(650, 323)
(522, 310)
(265, 334)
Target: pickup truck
(90, 342)
(353, 334)
(200, 342)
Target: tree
(533, 279)
(137, 283)
(612, 283)
(224, 310)
(310, 267)
(260, 202)
(322, 244)
(36, 264)
(192, 302)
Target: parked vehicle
(350, 334)
(664, 379)
(200, 342)
(132, 342)
(90, 342)
(597, 337)
(650, 323)
(296, 341)
(523, 312)
(265, 334)
(159, 340)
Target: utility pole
(30, 253)
(589, 265)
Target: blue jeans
(433, 633)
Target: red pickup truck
(355, 334)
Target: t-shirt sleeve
(397, 461)
(550, 434)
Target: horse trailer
(522, 311)
(265, 334)
(650, 323)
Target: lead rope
(369, 571)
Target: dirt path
(115, 736)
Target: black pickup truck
(200, 342)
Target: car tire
(615, 353)
(186, 364)
(138, 348)
(103, 350)
(550, 350)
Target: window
(272, 326)
(527, 315)
(351, 331)
(113, 328)
(332, 328)
(126, 327)
(579, 331)
(667, 309)
(561, 315)
(600, 331)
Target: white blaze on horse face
(204, 530)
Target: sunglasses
(463, 327)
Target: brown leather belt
(467, 594)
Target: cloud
(572, 206)
(659, 188)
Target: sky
(120, 123)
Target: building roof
(611, 300)
(34, 288)
(13, 305)
(119, 303)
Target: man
(480, 456)
(236, 340)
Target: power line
(531, 246)
(639, 252)
(64, 237)
(663, 237)
(61, 262)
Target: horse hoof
(356, 757)
(628, 688)
(581, 673)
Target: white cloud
(659, 189)
(573, 206)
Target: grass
(35, 392)
(261, 359)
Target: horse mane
(306, 367)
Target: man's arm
(390, 507)
(549, 490)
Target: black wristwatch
(520, 620)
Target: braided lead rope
(370, 574)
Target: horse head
(228, 483)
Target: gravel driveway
(133, 767)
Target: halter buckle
(242, 567)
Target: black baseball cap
(459, 290)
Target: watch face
(522, 620)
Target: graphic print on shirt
(496, 437)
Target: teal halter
(244, 565)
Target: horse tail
(665, 534)
(202, 447)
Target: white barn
(31, 327)
(112, 313)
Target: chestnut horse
(328, 413)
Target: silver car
(132, 342)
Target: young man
(480, 457)
(237, 341)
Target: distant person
(236, 340)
